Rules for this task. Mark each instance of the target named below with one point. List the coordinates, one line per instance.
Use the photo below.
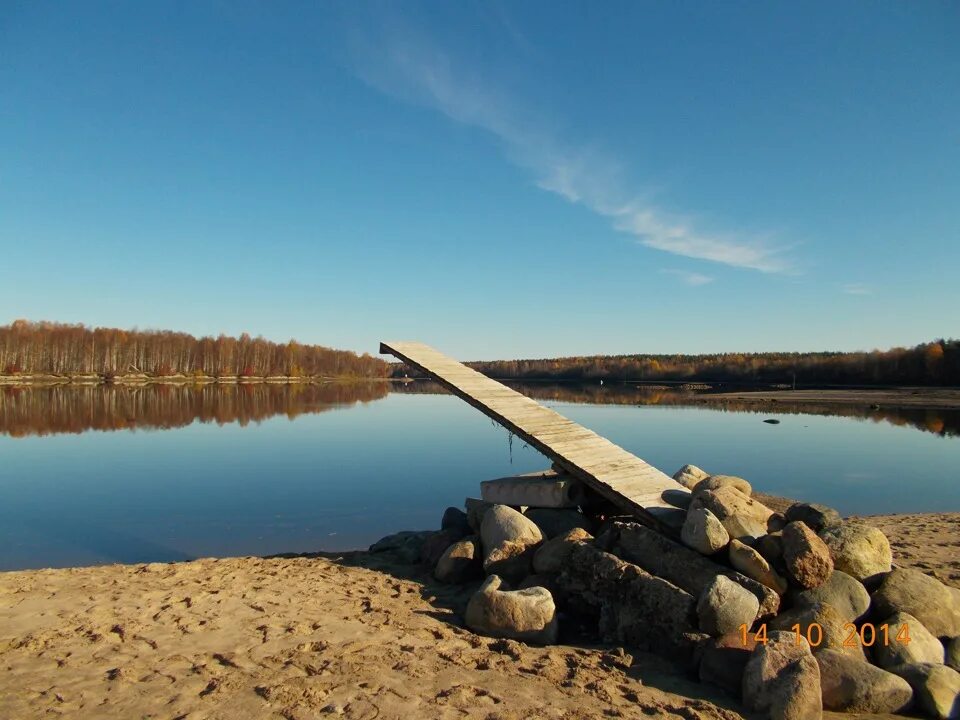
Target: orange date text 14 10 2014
(866, 635)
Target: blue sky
(520, 179)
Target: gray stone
(743, 517)
(404, 545)
(752, 564)
(770, 546)
(858, 549)
(545, 581)
(476, 509)
(678, 498)
(724, 606)
(685, 568)
(553, 554)
(557, 521)
(816, 517)
(456, 519)
(633, 607)
(850, 685)
(782, 678)
(936, 688)
(690, 475)
(703, 532)
(923, 647)
(529, 615)
(953, 654)
(833, 632)
(846, 594)
(723, 660)
(460, 562)
(437, 544)
(924, 597)
(805, 556)
(512, 561)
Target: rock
(690, 475)
(633, 607)
(833, 632)
(678, 498)
(512, 561)
(455, 519)
(724, 606)
(922, 648)
(936, 688)
(503, 524)
(529, 615)
(545, 581)
(924, 597)
(405, 545)
(703, 532)
(776, 522)
(806, 556)
(850, 685)
(678, 564)
(436, 545)
(772, 421)
(743, 517)
(552, 555)
(783, 678)
(752, 564)
(770, 546)
(953, 654)
(816, 517)
(715, 482)
(847, 595)
(858, 549)
(460, 562)
(553, 522)
(723, 661)
(476, 510)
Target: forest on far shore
(47, 348)
(935, 363)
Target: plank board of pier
(632, 484)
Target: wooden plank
(620, 476)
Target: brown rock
(724, 659)
(752, 564)
(806, 556)
(743, 517)
(783, 678)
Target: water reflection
(945, 423)
(52, 409)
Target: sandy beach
(353, 635)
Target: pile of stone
(791, 612)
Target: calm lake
(93, 475)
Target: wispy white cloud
(693, 279)
(408, 67)
(857, 289)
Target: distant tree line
(933, 363)
(46, 348)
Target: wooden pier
(630, 483)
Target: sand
(352, 636)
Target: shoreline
(135, 380)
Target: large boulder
(703, 532)
(724, 606)
(752, 564)
(936, 688)
(890, 650)
(476, 510)
(834, 633)
(529, 615)
(850, 685)
(455, 519)
(743, 517)
(816, 517)
(633, 607)
(690, 476)
(782, 678)
(846, 594)
(685, 568)
(715, 482)
(553, 554)
(805, 555)
(926, 598)
(858, 549)
(511, 560)
(460, 562)
(504, 524)
(770, 546)
(723, 659)
(405, 546)
(557, 521)
(436, 545)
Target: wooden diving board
(621, 477)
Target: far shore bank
(181, 379)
